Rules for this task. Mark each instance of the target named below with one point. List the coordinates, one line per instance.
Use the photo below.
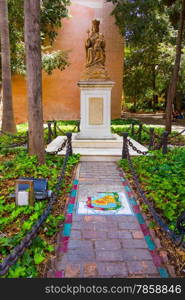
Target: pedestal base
(96, 150)
(95, 100)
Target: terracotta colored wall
(61, 95)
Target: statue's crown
(96, 22)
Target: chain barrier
(13, 135)
(28, 239)
(177, 238)
(60, 148)
(135, 148)
(155, 135)
(174, 136)
(14, 145)
(52, 133)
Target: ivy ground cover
(163, 179)
(16, 221)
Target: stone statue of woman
(95, 46)
(95, 54)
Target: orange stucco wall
(61, 95)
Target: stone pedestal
(95, 100)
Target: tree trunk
(155, 97)
(34, 78)
(178, 102)
(8, 123)
(173, 84)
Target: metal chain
(12, 135)
(14, 145)
(28, 239)
(60, 148)
(179, 239)
(63, 133)
(172, 137)
(135, 149)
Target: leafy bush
(162, 178)
(16, 221)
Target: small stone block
(68, 218)
(72, 200)
(145, 229)
(67, 230)
(140, 218)
(150, 243)
(164, 256)
(137, 234)
(141, 267)
(70, 208)
(136, 254)
(136, 209)
(128, 226)
(109, 256)
(119, 235)
(156, 258)
(59, 274)
(73, 193)
(76, 225)
(75, 235)
(137, 244)
(94, 219)
(72, 271)
(94, 235)
(75, 182)
(133, 201)
(79, 244)
(112, 269)
(108, 245)
(163, 273)
(90, 269)
(127, 188)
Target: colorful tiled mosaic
(104, 201)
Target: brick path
(104, 246)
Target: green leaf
(38, 258)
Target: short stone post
(165, 142)
(69, 143)
(140, 132)
(124, 151)
(151, 138)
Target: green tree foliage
(149, 29)
(51, 14)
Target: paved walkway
(104, 245)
